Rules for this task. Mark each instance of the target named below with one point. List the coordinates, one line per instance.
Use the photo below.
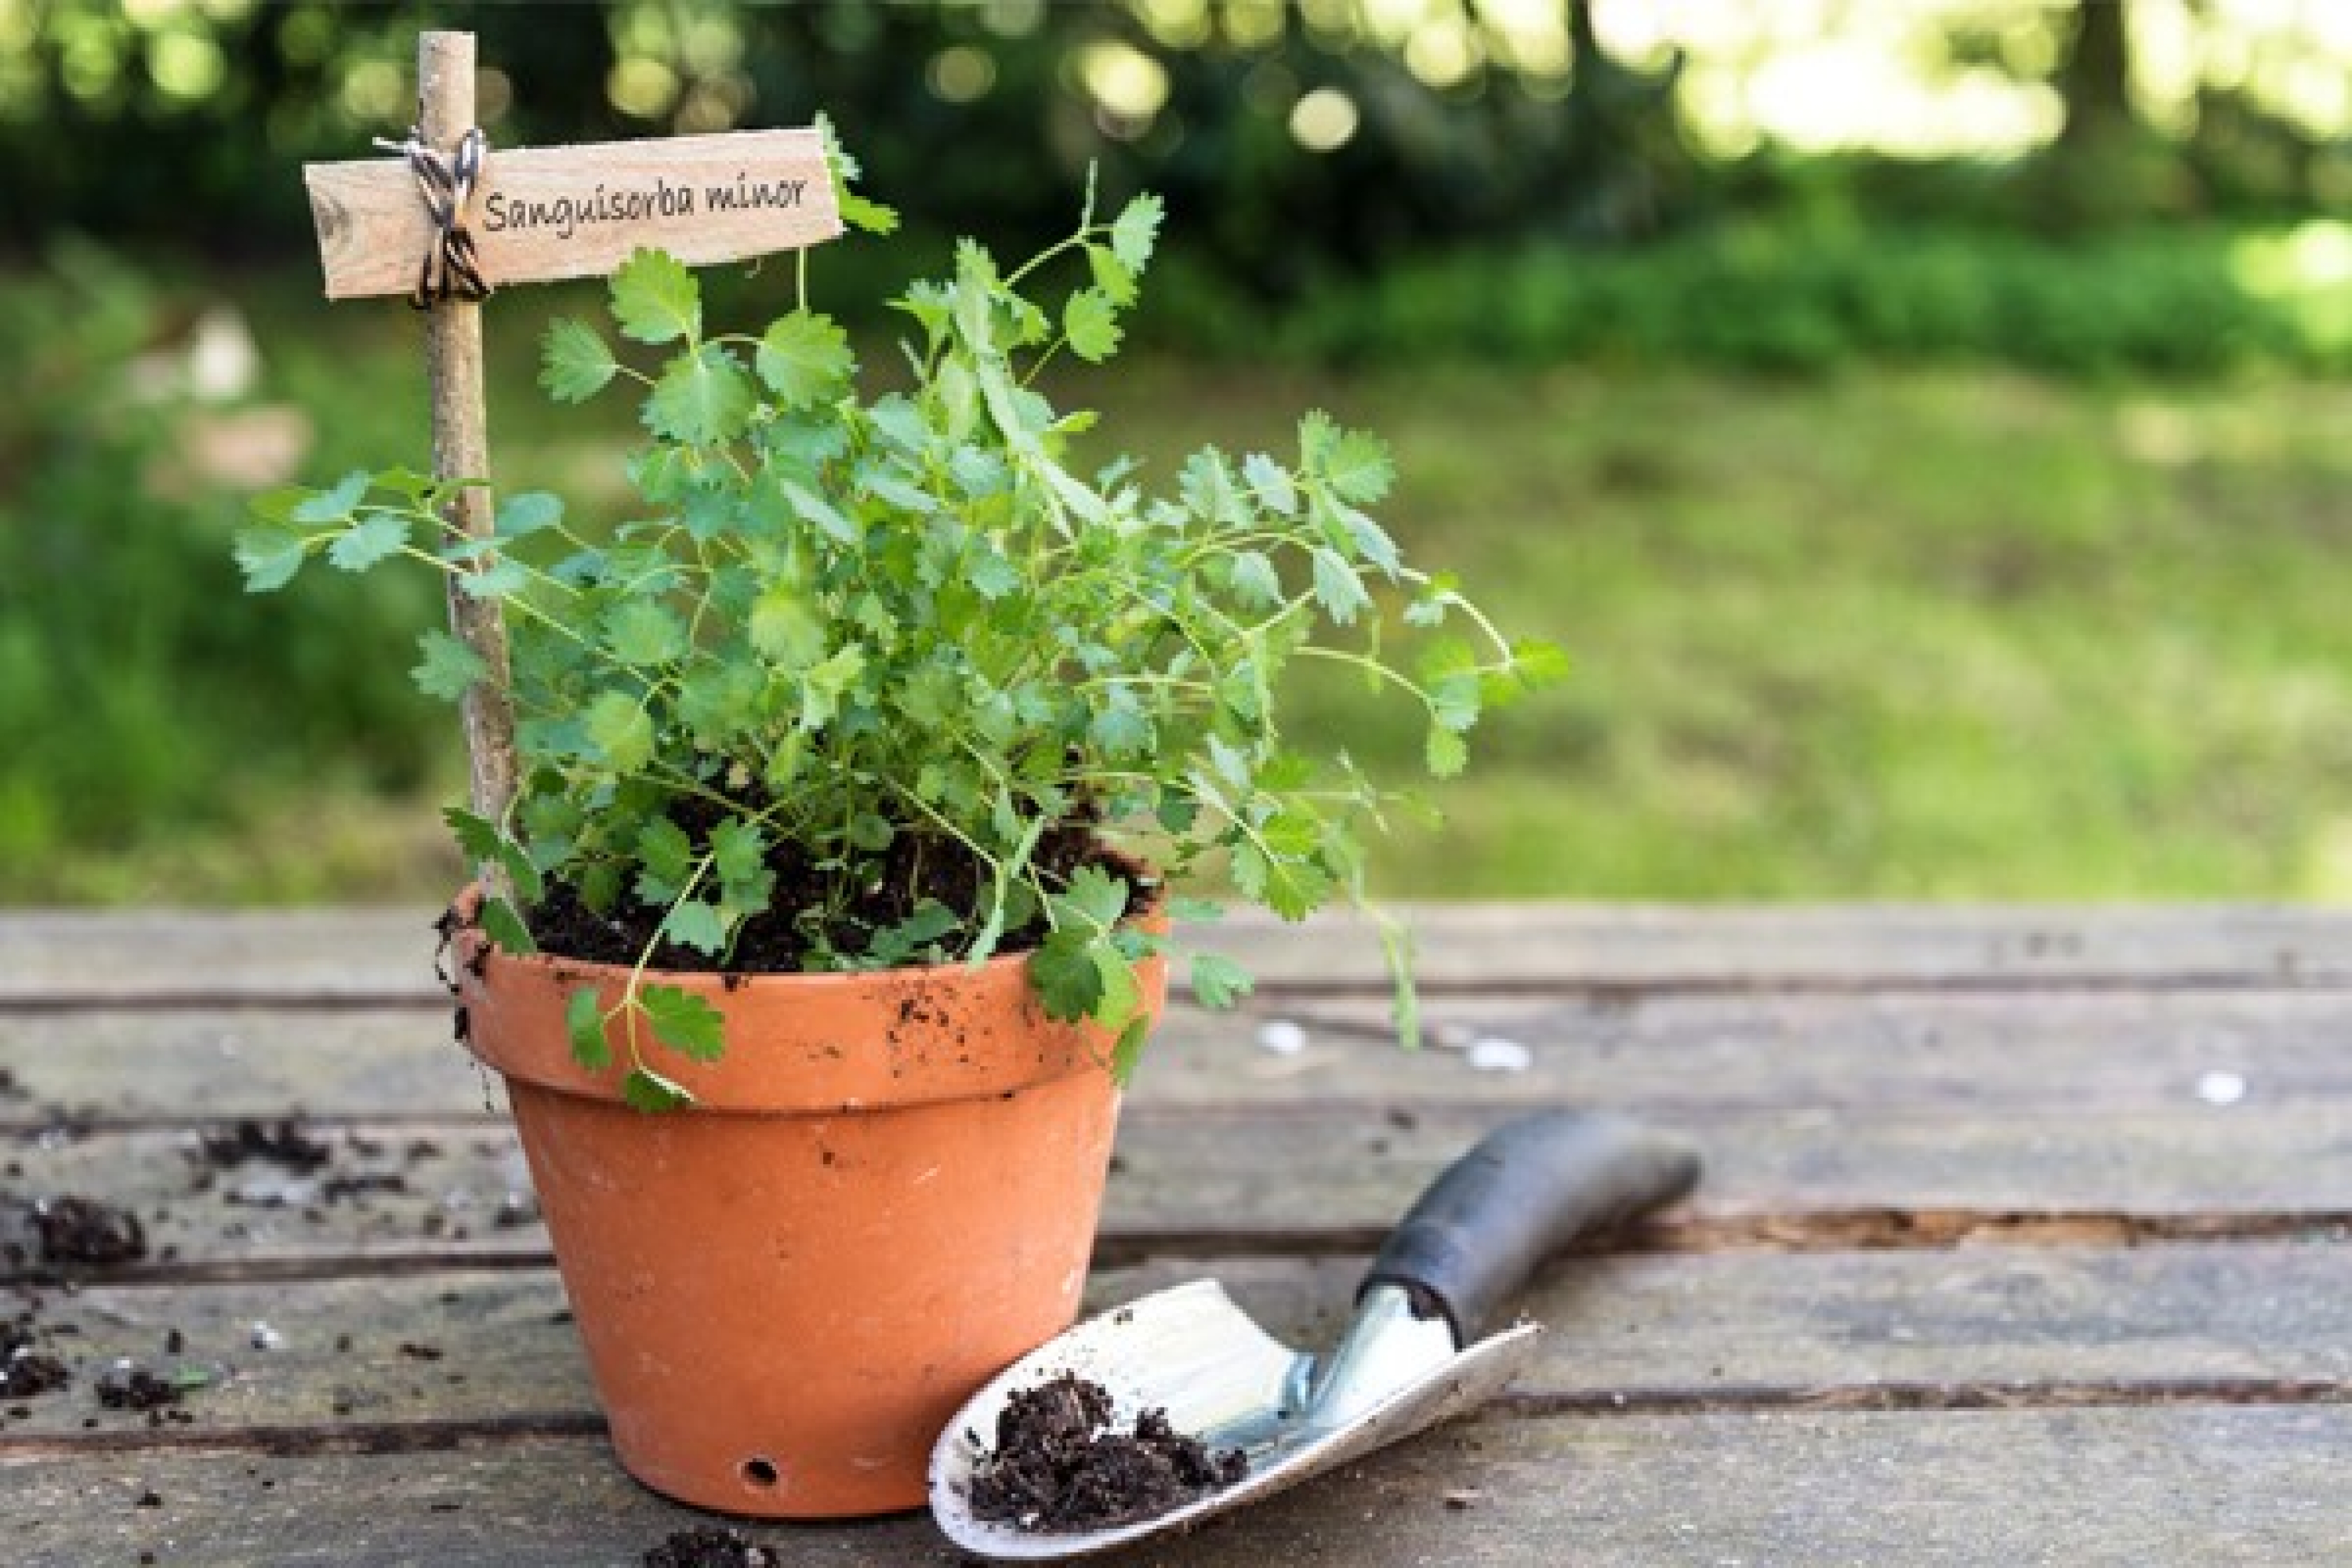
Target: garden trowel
(1411, 1357)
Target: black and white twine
(451, 266)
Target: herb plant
(870, 677)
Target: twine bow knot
(451, 266)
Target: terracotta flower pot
(887, 1192)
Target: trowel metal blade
(1191, 1351)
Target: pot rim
(825, 1042)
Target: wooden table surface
(2023, 1239)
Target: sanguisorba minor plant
(872, 681)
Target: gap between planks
(1600, 990)
(1692, 1234)
(300, 1440)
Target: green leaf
(641, 633)
(1095, 896)
(1062, 972)
(336, 505)
(269, 557)
(1272, 482)
(664, 860)
(647, 1090)
(684, 1021)
(1357, 466)
(574, 363)
(376, 536)
(449, 667)
(822, 512)
(1137, 230)
(1538, 663)
(1112, 276)
(991, 575)
(620, 728)
(1446, 752)
(584, 1020)
(1128, 1054)
(804, 358)
(697, 925)
(868, 217)
(824, 685)
(499, 580)
(785, 629)
(702, 398)
(655, 298)
(1397, 948)
(739, 851)
(1338, 588)
(1091, 322)
(1256, 582)
(871, 832)
(484, 845)
(1120, 728)
(1219, 982)
(502, 925)
(528, 512)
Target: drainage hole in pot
(761, 1471)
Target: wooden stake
(461, 449)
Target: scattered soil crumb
(1058, 1466)
(76, 1230)
(127, 1385)
(283, 1143)
(709, 1547)
(24, 1369)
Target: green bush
(1798, 297)
(131, 709)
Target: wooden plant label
(535, 214)
(545, 213)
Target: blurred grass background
(1951, 505)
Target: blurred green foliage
(1790, 296)
(1852, 628)
(140, 701)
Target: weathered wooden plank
(1960, 1053)
(465, 1347)
(66, 957)
(1306, 1178)
(1290, 1168)
(2172, 1486)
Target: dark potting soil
(1059, 1467)
(24, 1369)
(282, 1143)
(916, 868)
(709, 1547)
(85, 1232)
(127, 1385)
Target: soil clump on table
(709, 1547)
(1059, 1467)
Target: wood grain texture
(461, 450)
(463, 1347)
(1305, 1181)
(2162, 1487)
(1960, 1054)
(373, 227)
(1486, 950)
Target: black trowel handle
(1528, 1189)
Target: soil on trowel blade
(1059, 1467)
